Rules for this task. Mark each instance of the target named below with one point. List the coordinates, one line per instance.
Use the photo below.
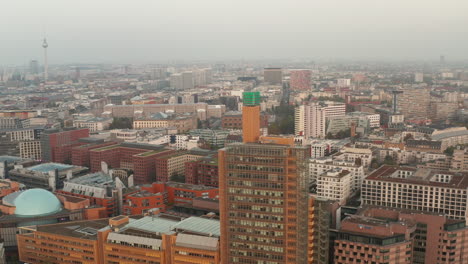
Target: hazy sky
(132, 31)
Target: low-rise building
(335, 184)
(163, 239)
(94, 124)
(183, 122)
(49, 176)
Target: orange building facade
(160, 239)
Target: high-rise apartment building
(300, 80)
(263, 200)
(343, 82)
(34, 67)
(273, 75)
(419, 77)
(310, 120)
(414, 103)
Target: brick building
(202, 172)
(57, 145)
(173, 164)
(141, 158)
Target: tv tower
(46, 65)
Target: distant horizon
(122, 31)
(270, 62)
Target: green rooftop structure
(251, 98)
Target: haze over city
(234, 132)
(154, 31)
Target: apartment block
(335, 184)
(439, 192)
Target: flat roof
(151, 224)
(77, 229)
(46, 167)
(420, 176)
(10, 159)
(106, 147)
(199, 225)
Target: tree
(408, 136)
(389, 160)
(284, 123)
(121, 123)
(449, 151)
(374, 163)
(178, 177)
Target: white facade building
(335, 185)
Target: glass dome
(36, 202)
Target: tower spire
(46, 65)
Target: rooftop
(46, 167)
(189, 186)
(420, 176)
(151, 224)
(77, 229)
(450, 134)
(106, 147)
(93, 179)
(199, 225)
(10, 159)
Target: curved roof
(36, 202)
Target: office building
(263, 198)
(414, 103)
(251, 117)
(378, 234)
(173, 164)
(300, 80)
(273, 75)
(371, 240)
(56, 145)
(163, 239)
(34, 67)
(202, 172)
(140, 158)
